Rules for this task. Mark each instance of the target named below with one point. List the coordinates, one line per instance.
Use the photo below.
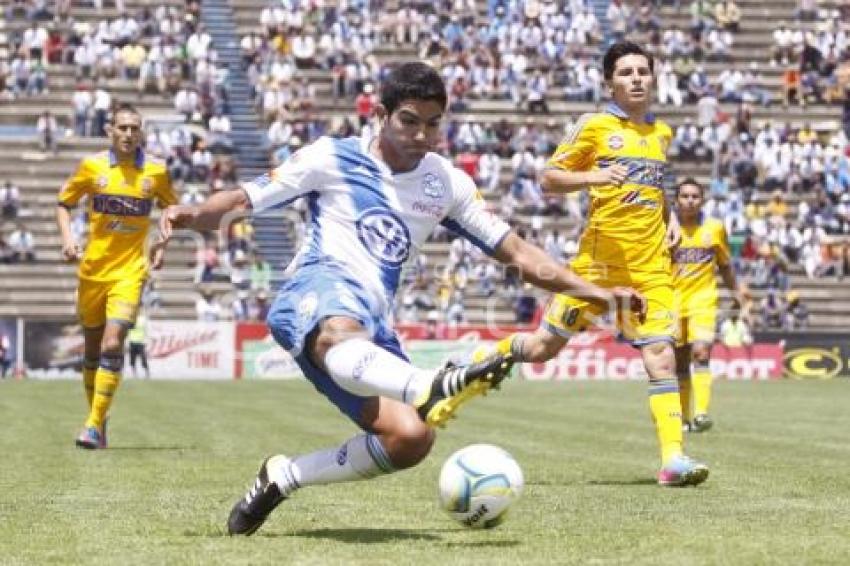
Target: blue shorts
(316, 293)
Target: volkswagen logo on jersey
(384, 235)
(432, 186)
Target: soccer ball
(478, 484)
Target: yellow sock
(88, 382)
(685, 397)
(702, 388)
(503, 346)
(106, 383)
(667, 415)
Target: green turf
(779, 491)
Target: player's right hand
(173, 217)
(615, 174)
(71, 251)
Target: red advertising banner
(598, 356)
(182, 349)
(615, 361)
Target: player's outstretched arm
(539, 269)
(201, 218)
(70, 247)
(558, 181)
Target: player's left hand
(157, 252)
(673, 237)
(626, 297)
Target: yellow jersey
(120, 199)
(703, 246)
(625, 228)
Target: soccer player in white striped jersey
(373, 203)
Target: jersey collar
(139, 162)
(614, 109)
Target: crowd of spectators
(528, 54)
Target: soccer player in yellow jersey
(703, 246)
(619, 156)
(122, 185)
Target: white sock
(361, 457)
(363, 368)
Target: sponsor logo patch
(307, 306)
(361, 366)
(119, 205)
(633, 197)
(121, 227)
(342, 455)
(434, 210)
(813, 363)
(384, 236)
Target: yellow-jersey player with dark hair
(122, 185)
(619, 156)
(703, 247)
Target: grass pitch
(182, 453)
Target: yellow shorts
(113, 301)
(566, 315)
(697, 326)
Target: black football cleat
(251, 511)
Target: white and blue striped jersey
(369, 221)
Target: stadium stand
(765, 134)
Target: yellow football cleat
(453, 386)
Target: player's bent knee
(408, 442)
(659, 359)
(333, 331)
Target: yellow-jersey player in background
(122, 184)
(704, 245)
(619, 156)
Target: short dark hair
(621, 49)
(690, 181)
(125, 107)
(412, 81)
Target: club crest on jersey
(616, 142)
(147, 186)
(432, 186)
(384, 236)
(103, 181)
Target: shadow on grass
(361, 535)
(639, 481)
(357, 535)
(483, 544)
(150, 448)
